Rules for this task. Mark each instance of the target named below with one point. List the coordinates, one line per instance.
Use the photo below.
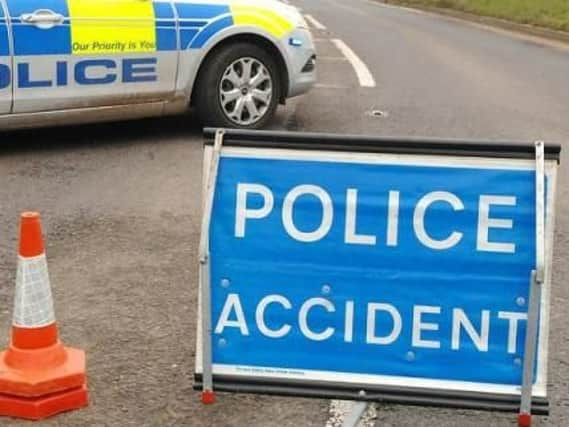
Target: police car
(77, 61)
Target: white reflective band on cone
(33, 304)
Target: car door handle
(42, 18)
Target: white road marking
(314, 22)
(362, 71)
(340, 408)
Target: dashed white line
(314, 22)
(362, 71)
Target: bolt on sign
(396, 270)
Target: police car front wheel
(239, 86)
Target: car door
(5, 64)
(90, 53)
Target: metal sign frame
(204, 259)
(207, 381)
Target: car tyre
(239, 86)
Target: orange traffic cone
(39, 377)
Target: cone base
(29, 373)
(38, 408)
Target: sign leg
(536, 282)
(354, 417)
(524, 419)
(208, 396)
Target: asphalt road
(121, 209)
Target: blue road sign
(369, 268)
